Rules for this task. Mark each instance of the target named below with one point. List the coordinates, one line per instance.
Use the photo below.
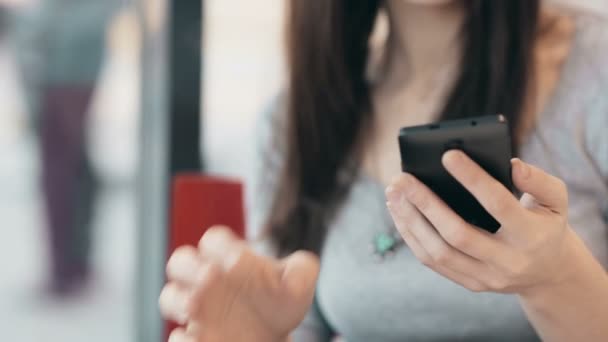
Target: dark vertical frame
(185, 84)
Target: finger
(467, 282)
(222, 245)
(490, 193)
(184, 266)
(421, 254)
(194, 328)
(528, 201)
(174, 302)
(440, 252)
(474, 242)
(299, 274)
(546, 189)
(207, 295)
(180, 335)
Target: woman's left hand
(534, 247)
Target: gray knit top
(399, 299)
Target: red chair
(199, 202)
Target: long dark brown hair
(328, 98)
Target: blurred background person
(104, 311)
(61, 48)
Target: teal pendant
(384, 244)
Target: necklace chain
(386, 241)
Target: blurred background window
(69, 74)
(243, 71)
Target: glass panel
(154, 168)
(69, 74)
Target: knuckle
(203, 241)
(421, 200)
(214, 234)
(561, 186)
(179, 335)
(169, 295)
(499, 284)
(162, 299)
(472, 177)
(563, 191)
(183, 252)
(498, 206)
(169, 290)
(458, 237)
(476, 287)
(426, 260)
(409, 216)
(212, 273)
(179, 256)
(442, 255)
(209, 276)
(518, 268)
(235, 258)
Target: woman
(330, 148)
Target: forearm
(575, 310)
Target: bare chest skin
(421, 101)
(411, 106)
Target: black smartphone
(484, 139)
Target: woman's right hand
(224, 291)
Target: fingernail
(452, 156)
(522, 169)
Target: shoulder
(575, 47)
(577, 42)
(589, 69)
(271, 123)
(589, 55)
(577, 107)
(268, 161)
(584, 92)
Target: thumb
(546, 189)
(299, 274)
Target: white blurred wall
(243, 71)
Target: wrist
(578, 271)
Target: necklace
(385, 243)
